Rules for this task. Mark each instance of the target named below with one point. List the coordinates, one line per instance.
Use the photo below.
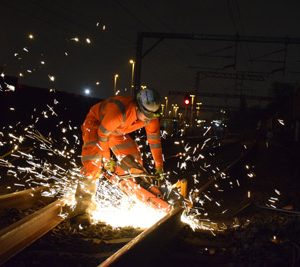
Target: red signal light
(187, 100)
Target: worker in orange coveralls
(107, 127)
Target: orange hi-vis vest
(115, 117)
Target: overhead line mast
(191, 36)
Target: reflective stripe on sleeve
(104, 130)
(102, 139)
(123, 146)
(91, 143)
(91, 157)
(155, 145)
(154, 136)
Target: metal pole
(192, 109)
(138, 63)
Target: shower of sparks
(195, 223)
(32, 159)
(119, 210)
(35, 159)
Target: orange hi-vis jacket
(107, 126)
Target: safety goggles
(149, 114)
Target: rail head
(149, 241)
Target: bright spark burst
(10, 87)
(128, 212)
(112, 206)
(76, 39)
(51, 78)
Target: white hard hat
(149, 101)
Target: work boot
(85, 203)
(83, 219)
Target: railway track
(22, 199)
(25, 232)
(20, 235)
(17, 236)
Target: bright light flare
(134, 214)
(51, 78)
(87, 91)
(119, 210)
(75, 39)
(197, 224)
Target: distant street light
(162, 109)
(116, 76)
(198, 104)
(132, 62)
(192, 108)
(87, 91)
(175, 108)
(166, 103)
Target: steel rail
(24, 232)
(143, 249)
(214, 177)
(22, 199)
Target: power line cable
(231, 16)
(136, 18)
(131, 14)
(243, 29)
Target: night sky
(112, 27)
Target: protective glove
(159, 173)
(110, 165)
